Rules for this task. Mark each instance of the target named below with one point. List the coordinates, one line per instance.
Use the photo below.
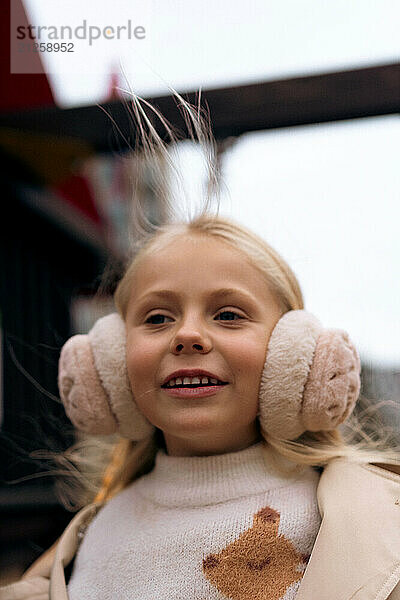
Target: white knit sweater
(202, 528)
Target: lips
(182, 373)
(194, 393)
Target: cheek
(248, 361)
(142, 361)
(248, 364)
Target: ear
(94, 385)
(311, 377)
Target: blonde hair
(106, 466)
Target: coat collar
(66, 549)
(357, 551)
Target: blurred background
(304, 99)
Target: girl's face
(199, 304)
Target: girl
(232, 476)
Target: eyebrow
(220, 293)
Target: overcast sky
(326, 196)
(215, 42)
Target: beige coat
(356, 555)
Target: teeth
(191, 381)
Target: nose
(191, 338)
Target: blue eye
(157, 319)
(231, 316)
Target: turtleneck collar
(202, 480)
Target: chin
(192, 424)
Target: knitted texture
(204, 528)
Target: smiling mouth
(183, 386)
(193, 386)
(191, 391)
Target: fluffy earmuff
(93, 382)
(310, 380)
(311, 377)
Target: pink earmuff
(93, 382)
(310, 380)
(311, 377)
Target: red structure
(24, 91)
(19, 90)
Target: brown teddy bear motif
(259, 565)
